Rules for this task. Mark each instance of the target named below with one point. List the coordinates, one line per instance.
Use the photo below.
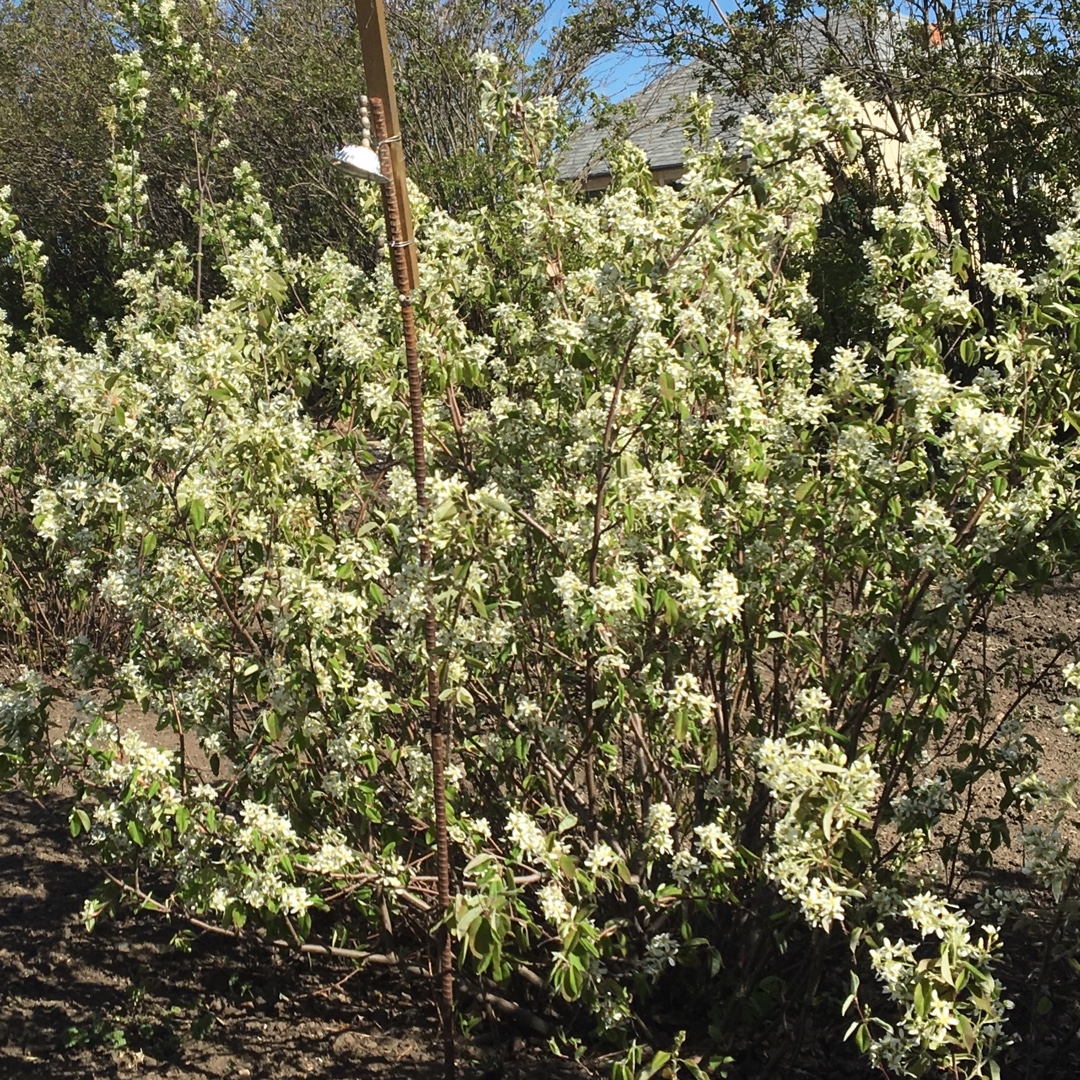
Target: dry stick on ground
(511, 1009)
(147, 901)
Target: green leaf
(922, 998)
(660, 1059)
(80, 821)
(276, 286)
(493, 502)
(851, 142)
(966, 1030)
(463, 923)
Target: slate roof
(657, 126)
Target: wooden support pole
(379, 83)
(379, 88)
(399, 250)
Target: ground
(121, 1002)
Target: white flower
(658, 826)
(115, 588)
(91, 912)
(812, 703)
(601, 857)
(698, 540)
(922, 806)
(928, 391)
(685, 867)
(525, 834)
(294, 900)
(1065, 244)
(334, 855)
(264, 825)
(921, 158)
(720, 600)
(977, 432)
(892, 962)
(929, 914)
(839, 100)
(554, 905)
(1004, 281)
(218, 900)
(822, 903)
(929, 517)
(661, 952)
(107, 814)
(717, 842)
(686, 697)
(1071, 674)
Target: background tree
(995, 82)
(55, 71)
(294, 66)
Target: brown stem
(603, 472)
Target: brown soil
(121, 1002)
(1023, 648)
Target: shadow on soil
(121, 1002)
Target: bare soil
(122, 1002)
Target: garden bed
(123, 1001)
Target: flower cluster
(821, 798)
(952, 1005)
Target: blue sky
(622, 74)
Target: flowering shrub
(699, 596)
(951, 1006)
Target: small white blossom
(658, 826)
(1004, 281)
